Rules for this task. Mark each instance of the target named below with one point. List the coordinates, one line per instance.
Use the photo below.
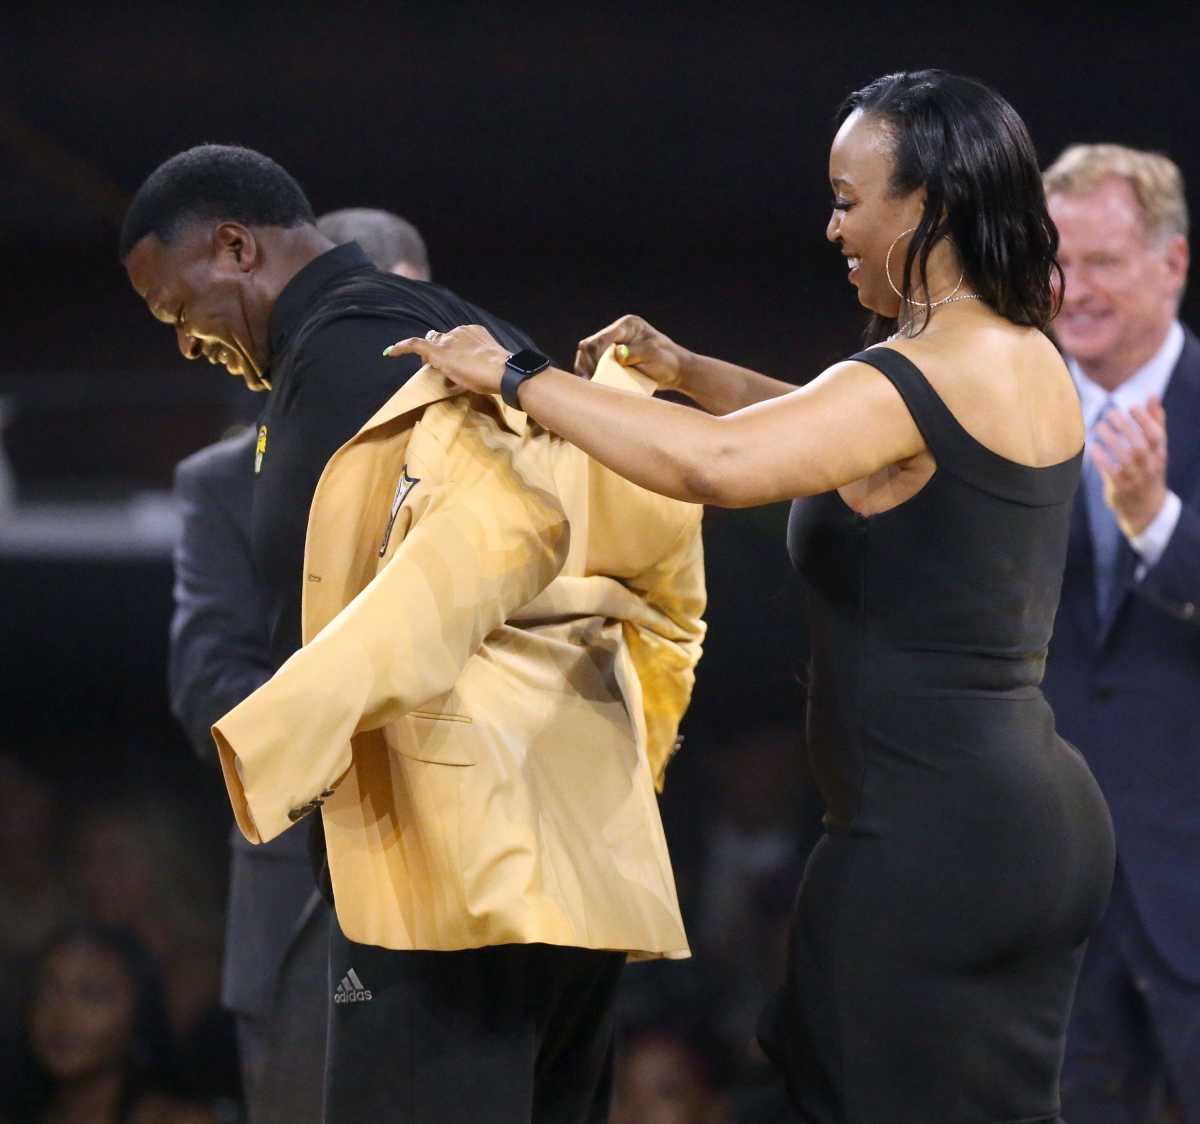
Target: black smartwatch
(518, 367)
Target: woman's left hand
(467, 355)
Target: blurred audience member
(393, 244)
(34, 902)
(666, 1075)
(97, 1039)
(137, 868)
(765, 823)
(1125, 659)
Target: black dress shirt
(328, 330)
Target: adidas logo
(351, 990)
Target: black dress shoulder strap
(957, 452)
(937, 424)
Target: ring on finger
(432, 334)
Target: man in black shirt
(274, 978)
(222, 245)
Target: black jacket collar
(294, 302)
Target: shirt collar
(1148, 381)
(298, 294)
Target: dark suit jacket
(1126, 692)
(218, 656)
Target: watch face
(528, 361)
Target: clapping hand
(1130, 451)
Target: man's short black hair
(213, 181)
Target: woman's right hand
(639, 345)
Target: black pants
(283, 1052)
(511, 1034)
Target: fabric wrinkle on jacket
(492, 681)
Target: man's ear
(235, 246)
(1177, 260)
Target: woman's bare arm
(721, 388)
(717, 386)
(843, 426)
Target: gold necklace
(902, 329)
(951, 300)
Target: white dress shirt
(1148, 381)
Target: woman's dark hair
(150, 1064)
(971, 152)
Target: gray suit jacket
(218, 656)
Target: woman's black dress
(968, 852)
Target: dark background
(565, 164)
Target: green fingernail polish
(623, 350)
(387, 351)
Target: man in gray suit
(275, 972)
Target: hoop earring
(887, 261)
(887, 270)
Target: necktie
(1106, 535)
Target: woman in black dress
(968, 852)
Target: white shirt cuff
(1151, 543)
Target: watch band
(519, 367)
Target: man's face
(1122, 284)
(202, 284)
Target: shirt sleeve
(1172, 584)
(1153, 541)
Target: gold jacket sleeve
(666, 650)
(477, 555)
(665, 634)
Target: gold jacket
(500, 637)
